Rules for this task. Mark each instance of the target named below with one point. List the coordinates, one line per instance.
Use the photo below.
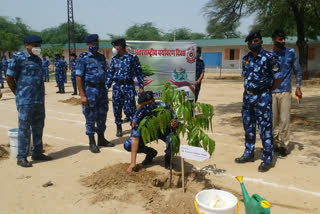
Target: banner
(163, 62)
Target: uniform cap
(253, 34)
(92, 38)
(119, 42)
(32, 39)
(145, 96)
(73, 54)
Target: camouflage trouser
(197, 90)
(257, 109)
(73, 79)
(61, 80)
(96, 112)
(46, 73)
(1, 78)
(30, 116)
(123, 96)
(65, 77)
(56, 75)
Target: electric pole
(71, 36)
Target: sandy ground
(97, 183)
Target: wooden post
(170, 166)
(182, 171)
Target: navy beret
(119, 42)
(92, 38)
(145, 96)
(32, 39)
(253, 34)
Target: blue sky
(112, 16)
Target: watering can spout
(245, 194)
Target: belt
(124, 82)
(95, 85)
(256, 92)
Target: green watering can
(256, 204)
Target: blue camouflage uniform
(59, 65)
(289, 63)
(142, 112)
(122, 72)
(259, 74)
(65, 64)
(73, 64)
(27, 71)
(93, 70)
(45, 67)
(200, 67)
(5, 66)
(1, 78)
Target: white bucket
(13, 141)
(205, 197)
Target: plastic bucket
(13, 141)
(204, 199)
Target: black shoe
(92, 145)
(126, 119)
(62, 91)
(24, 163)
(104, 142)
(119, 131)
(41, 157)
(243, 159)
(167, 159)
(283, 152)
(58, 92)
(74, 93)
(151, 153)
(264, 167)
(2, 86)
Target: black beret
(57, 55)
(73, 54)
(253, 34)
(32, 39)
(119, 42)
(92, 38)
(145, 96)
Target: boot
(119, 130)
(74, 93)
(104, 142)
(126, 119)
(92, 145)
(2, 85)
(167, 159)
(62, 91)
(150, 154)
(59, 92)
(244, 159)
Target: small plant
(194, 118)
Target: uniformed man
(135, 143)
(60, 66)
(65, 66)
(73, 64)
(123, 69)
(200, 67)
(281, 97)
(1, 78)
(261, 75)
(45, 66)
(24, 77)
(91, 81)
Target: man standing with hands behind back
(281, 96)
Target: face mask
(198, 56)
(254, 47)
(114, 51)
(280, 45)
(94, 48)
(36, 51)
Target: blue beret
(32, 39)
(145, 96)
(253, 34)
(92, 38)
(119, 42)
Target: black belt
(256, 92)
(124, 82)
(95, 85)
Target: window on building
(231, 54)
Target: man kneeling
(135, 143)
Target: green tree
(183, 34)
(297, 17)
(143, 32)
(59, 35)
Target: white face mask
(114, 51)
(36, 51)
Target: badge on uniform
(275, 68)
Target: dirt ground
(78, 181)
